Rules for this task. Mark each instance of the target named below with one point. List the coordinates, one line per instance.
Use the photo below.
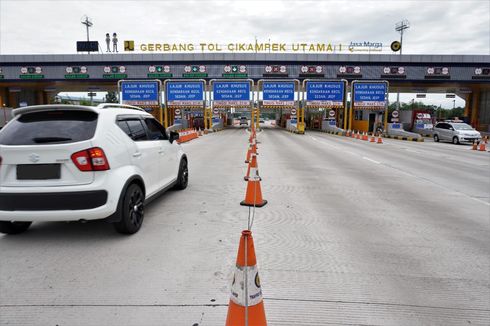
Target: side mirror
(173, 136)
(451, 128)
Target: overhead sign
(231, 93)
(370, 95)
(278, 93)
(325, 93)
(184, 93)
(140, 92)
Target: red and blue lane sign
(370, 94)
(278, 92)
(326, 93)
(184, 92)
(140, 92)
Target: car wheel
(436, 138)
(14, 227)
(183, 176)
(455, 140)
(133, 210)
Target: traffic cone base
(261, 204)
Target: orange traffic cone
(246, 306)
(475, 146)
(252, 148)
(353, 134)
(358, 136)
(252, 166)
(347, 134)
(380, 140)
(253, 196)
(372, 138)
(365, 136)
(482, 147)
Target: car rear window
(50, 127)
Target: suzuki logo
(34, 158)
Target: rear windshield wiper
(50, 139)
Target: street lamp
(400, 27)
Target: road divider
(186, 135)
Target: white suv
(456, 132)
(70, 163)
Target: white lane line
(370, 160)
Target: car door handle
(137, 154)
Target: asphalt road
(355, 233)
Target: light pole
(88, 23)
(400, 27)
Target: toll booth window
(155, 130)
(358, 115)
(137, 130)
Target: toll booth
(282, 96)
(369, 106)
(184, 103)
(143, 93)
(226, 97)
(325, 103)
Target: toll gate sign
(370, 94)
(325, 93)
(184, 93)
(140, 93)
(278, 93)
(231, 93)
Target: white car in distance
(71, 163)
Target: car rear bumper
(469, 139)
(53, 201)
(50, 207)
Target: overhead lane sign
(326, 94)
(231, 93)
(140, 93)
(184, 93)
(370, 94)
(280, 93)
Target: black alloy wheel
(133, 210)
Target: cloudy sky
(444, 26)
(437, 27)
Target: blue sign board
(140, 92)
(395, 126)
(182, 93)
(278, 92)
(325, 93)
(231, 92)
(370, 94)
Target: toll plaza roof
(427, 69)
(246, 57)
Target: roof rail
(47, 107)
(117, 105)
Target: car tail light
(92, 159)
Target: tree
(111, 97)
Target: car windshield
(462, 126)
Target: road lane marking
(370, 160)
(407, 173)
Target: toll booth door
(372, 118)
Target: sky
(436, 27)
